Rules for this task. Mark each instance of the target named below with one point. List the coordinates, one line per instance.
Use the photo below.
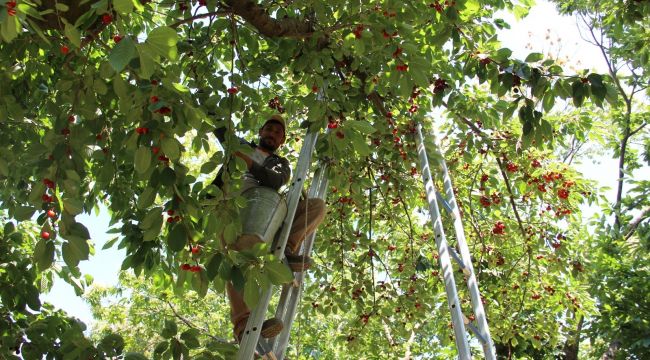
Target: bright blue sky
(525, 36)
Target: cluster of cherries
(276, 105)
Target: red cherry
(71, 118)
(195, 250)
(314, 88)
(203, 3)
(233, 90)
(186, 267)
(170, 220)
(195, 269)
(340, 135)
(98, 137)
(485, 201)
(391, 247)
(164, 110)
(117, 38)
(64, 49)
(45, 235)
(170, 212)
(107, 19)
(563, 194)
(51, 213)
(153, 99)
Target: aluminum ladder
(446, 253)
(251, 334)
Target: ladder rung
(459, 261)
(445, 204)
(476, 332)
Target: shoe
(298, 263)
(270, 328)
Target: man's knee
(317, 207)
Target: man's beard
(267, 146)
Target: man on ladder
(266, 168)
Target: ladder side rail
(287, 288)
(472, 282)
(443, 252)
(253, 326)
(318, 189)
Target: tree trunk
(610, 354)
(572, 345)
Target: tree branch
(636, 221)
(258, 17)
(189, 324)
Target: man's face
(271, 136)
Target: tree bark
(258, 17)
(572, 345)
(610, 354)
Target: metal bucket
(264, 213)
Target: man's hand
(249, 161)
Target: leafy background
(112, 104)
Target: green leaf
(212, 267)
(190, 339)
(44, 254)
(9, 28)
(200, 283)
(163, 42)
(251, 291)
(153, 216)
(598, 89)
(548, 101)
(123, 6)
(177, 238)
(170, 329)
(146, 198)
(578, 92)
(278, 272)
(134, 356)
(208, 167)
(120, 87)
(161, 347)
(61, 7)
(72, 34)
(171, 148)
(501, 55)
(122, 53)
(237, 278)
(72, 206)
(147, 60)
(405, 86)
(363, 127)
(22, 213)
(142, 159)
(4, 167)
(168, 177)
(534, 57)
(70, 255)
